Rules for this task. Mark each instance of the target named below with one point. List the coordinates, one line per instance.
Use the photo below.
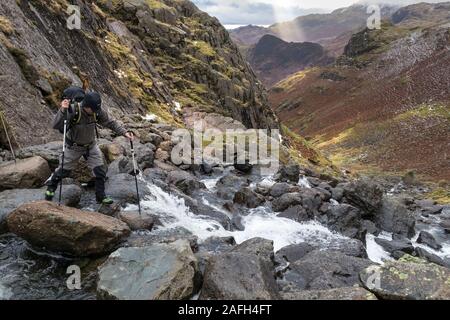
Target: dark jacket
(83, 133)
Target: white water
(375, 252)
(303, 182)
(260, 222)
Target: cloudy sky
(264, 12)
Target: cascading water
(260, 222)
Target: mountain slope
(142, 56)
(274, 59)
(320, 28)
(385, 104)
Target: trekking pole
(135, 176)
(62, 158)
(7, 137)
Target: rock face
(156, 272)
(273, 59)
(67, 230)
(408, 279)
(27, 173)
(132, 54)
(245, 273)
(394, 217)
(365, 195)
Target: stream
(26, 273)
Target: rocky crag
(207, 231)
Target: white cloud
(271, 11)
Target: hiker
(83, 112)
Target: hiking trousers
(94, 157)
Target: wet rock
(247, 197)
(296, 213)
(322, 270)
(290, 173)
(27, 173)
(121, 165)
(12, 199)
(436, 209)
(236, 223)
(446, 225)
(278, 189)
(408, 279)
(239, 276)
(345, 219)
(122, 187)
(147, 239)
(228, 185)
(365, 195)
(135, 221)
(337, 194)
(184, 181)
(157, 272)
(287, 200)
(347, 294)
(394, 217)
(245, 168)
(67, 230)
(428, 239)
(424, 254)
(403, 245)
(217, 244)
(295, 252)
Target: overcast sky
(264, 12)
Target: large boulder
(394, 217)
(399, 245)
(247, 197)
(408, 279)
(290, 173)
(286, 201)
(347, 294)
(245, 273)
(228, 185)
(12, 199)
(238, 276)
(66, 230)
(429, 240)
(27, 173)
(278, 189)
(156, 272)
(365, 195)
(322, 270)
(344, 219)
(122, 187)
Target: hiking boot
(49, 195)
(105, 201)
